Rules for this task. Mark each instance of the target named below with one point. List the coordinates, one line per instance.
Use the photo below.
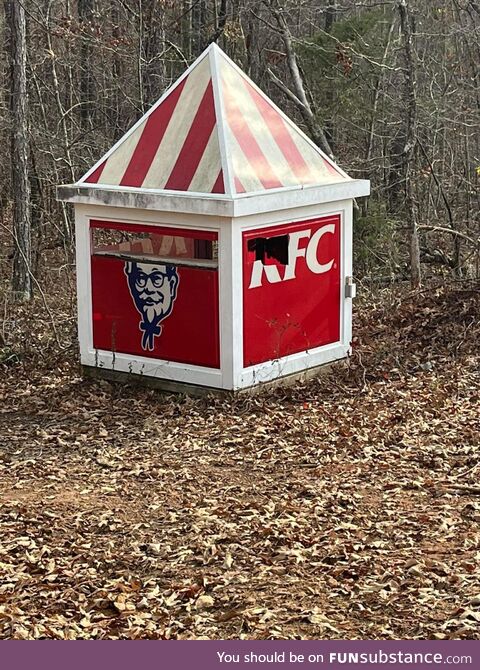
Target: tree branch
(284, 88)
(442, 229)
(316, 131)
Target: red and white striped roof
(214, 131)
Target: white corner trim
(288, 365)
(220, 118)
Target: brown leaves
(345, 507)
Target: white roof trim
(213, 204)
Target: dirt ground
(346, 507)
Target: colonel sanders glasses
(156, 278)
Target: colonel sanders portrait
(153, 287)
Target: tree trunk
(316, 132)
(410, 141)
(21, 281)
(186, 29)
(87, 93)
(330, 18)
(199, 27)
(220, 19)
(153, 39)
(118, 72)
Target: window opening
(152, 247)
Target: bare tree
(85, 15)
(21, 281)
(299, 96)
(407, 156)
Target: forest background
(390, 88)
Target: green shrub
(375, 244)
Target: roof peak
(214, 131)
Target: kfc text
(294, 252)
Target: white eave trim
(212, 204)
(286, 198)
(162, 201)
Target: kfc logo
(308, 252)
(153, 287)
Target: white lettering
(310, 253)
(312, 250)
(271, 273)
(223, 657)
(294, 252)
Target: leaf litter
(344, 507)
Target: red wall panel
(294, 308)
(188, 334)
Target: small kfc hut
(214, 242)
